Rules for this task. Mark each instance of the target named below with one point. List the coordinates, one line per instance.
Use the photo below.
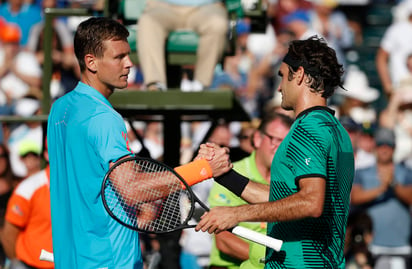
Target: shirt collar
(308, 110)
(83, 88)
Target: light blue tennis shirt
(84, 135)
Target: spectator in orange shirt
(27, 227)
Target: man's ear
(257, 139)
(300, 74)
(90, 61)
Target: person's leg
(211, 23)
(153, 27)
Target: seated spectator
(20, 72)
(30, 154)
(29, 130)
(333, 26)
(65, 68)
(245, 147)
(279, 9)
(7, 184)
(263, 78)
(393, 52)
(358, 97)
(27, 228)
(208, 18)
(298, 22)
(384, 190)
(359, 236)
(22, 13)
(398, 115)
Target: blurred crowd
(378, 118)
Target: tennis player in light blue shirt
(85, 135)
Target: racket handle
(259, 238)
(46, 256)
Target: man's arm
(9, 239)
(382, 58)
(232, 245)
(361, 196)
(404, 193)
(307, 203)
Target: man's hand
(218, 219)
(218, 158)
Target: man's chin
(121, 86)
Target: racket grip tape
(195, 172)
(259, 238)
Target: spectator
(298, 22)
(27, 227)
(385, 191)
(245, 135)
(398, 116)
(7, 184)
(263, 79)
(23, 13)
(392, 54)
(364, 156)
(333, 26)
(65, 68)
(28, 130)
(208, 18)
(359, 236)
(281, 8)
(20, 71)
(229, 251)
(30, 154)
(358, 97)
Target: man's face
(114, 67)
(269, 140)
(287, 88)
(384, 153)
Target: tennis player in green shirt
(307, 202)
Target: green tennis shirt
(316, 146)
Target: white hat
(357, 86)
(26, 107)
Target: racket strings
(146, 196)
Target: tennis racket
(148, 196)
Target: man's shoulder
(30, 185)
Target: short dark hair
(270, 116)
(91, 34)
(320, 63)
(267, 118)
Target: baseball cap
(349, 124)
(29, 146)
(10, 33)
(385, 136)
(298, 15)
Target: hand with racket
(148, 196)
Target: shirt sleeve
(307, 151)
(18, 210)
(109, 137)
